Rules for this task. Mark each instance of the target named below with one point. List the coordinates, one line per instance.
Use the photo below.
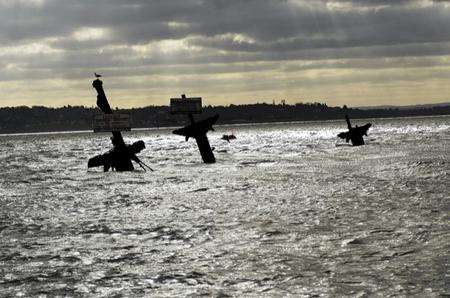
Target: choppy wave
(288, 209)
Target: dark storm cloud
(314, 24)
(125, 57)
(42, 39)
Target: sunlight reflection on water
(285, 210)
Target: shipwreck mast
(196, 130)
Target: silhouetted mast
(119, 158)
(355, 134)
(196, 130)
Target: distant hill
(44, 119)
(408, 107)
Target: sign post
(111, 122)
(120, 157)
(184, 105)
(196, 130)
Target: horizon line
(245, 104)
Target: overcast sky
(354, 52)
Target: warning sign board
(111, 122)
(192, 105)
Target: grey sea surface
(288, 209)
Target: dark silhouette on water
(119, 158)
(198, 131)
(228, 137)
(355, 134)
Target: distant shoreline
(138, 129)
(78, 118)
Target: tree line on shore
(68, 118)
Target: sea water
(288, 209)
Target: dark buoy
(355, 134)
(120, 156)
(196, 130)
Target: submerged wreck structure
(355, 134)
(196, 130)
(228, 137)
(120, 157)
